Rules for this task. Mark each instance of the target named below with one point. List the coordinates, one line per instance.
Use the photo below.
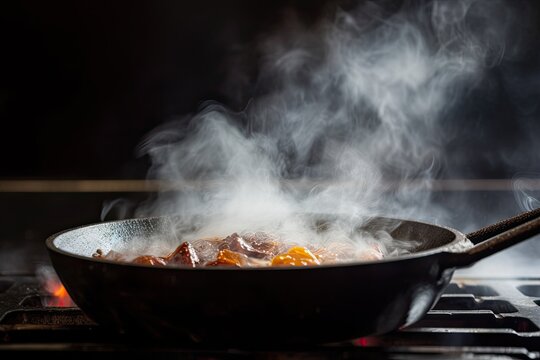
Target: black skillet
(248, 306)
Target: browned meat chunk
(184, 254)
(251, 246)
(264, 243)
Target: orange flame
(60, 296)
(60, 291)
(57, 295)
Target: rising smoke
(347, 115)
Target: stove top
(475, 318)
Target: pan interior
(116, 235)
(142, 233)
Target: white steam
(523, 188)
(347, 112)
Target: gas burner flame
(57, 295)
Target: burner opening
(478, 290)
(530, 290)
(471, 303)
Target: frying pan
(277, 305)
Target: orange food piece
(149, 260)
(296, 256)
(227, 257)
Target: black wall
(82, 82)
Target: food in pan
(246, 250)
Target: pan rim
(460, 241)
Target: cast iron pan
(284, 305)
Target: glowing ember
(367, 342)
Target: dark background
(82, 82)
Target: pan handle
(497, 237)
(489, 231)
